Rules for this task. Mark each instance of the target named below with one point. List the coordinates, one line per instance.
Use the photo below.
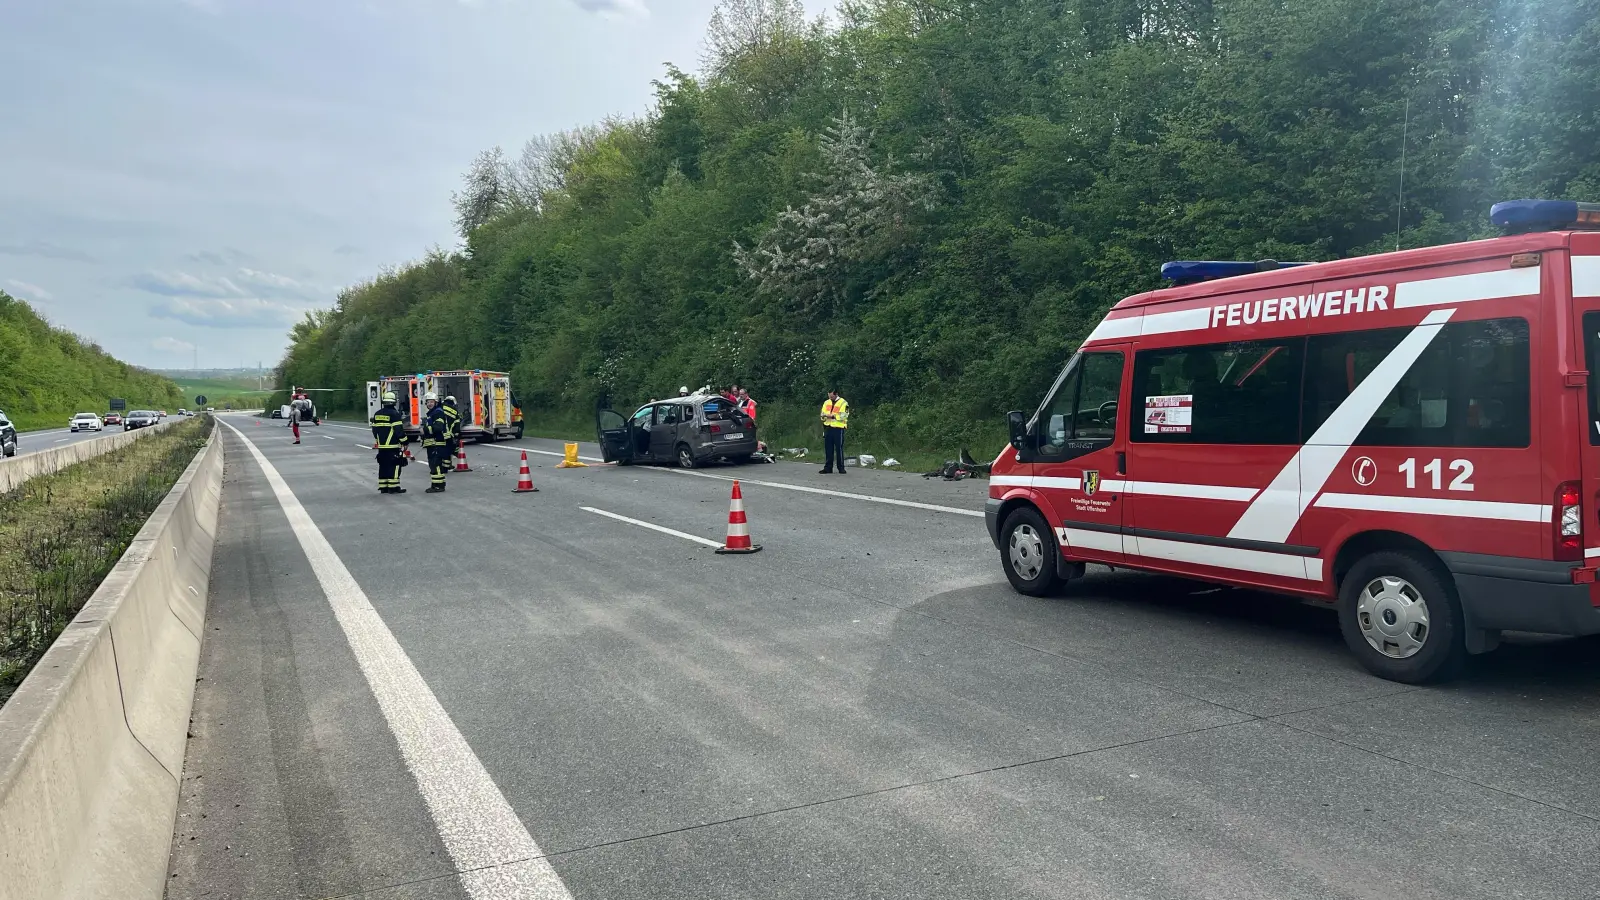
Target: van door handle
(1122, 462)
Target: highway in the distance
(51, 438)
(496, 695)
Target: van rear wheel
(1402, 619)
(685, 456)
(1028, 553)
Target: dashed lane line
(778, 485)
(495, 856)
(652, 527)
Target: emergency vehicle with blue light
(1413, 437)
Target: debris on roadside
(958, 469)
(890, 463)
(867, 459)
(795, 452)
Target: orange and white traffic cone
(461, 458)
(524, 478)
(738, 527)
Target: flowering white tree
(860, 212)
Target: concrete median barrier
(91, 744)
(15, 470)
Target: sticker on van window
(1169, 414)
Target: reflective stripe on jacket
(836, 413)
(436, 428)
(454, 416)
(388, 429)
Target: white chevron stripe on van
(1273, 515)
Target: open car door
(615, 437)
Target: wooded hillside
(47, 374)
(929, 203)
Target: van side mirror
(1017, 421)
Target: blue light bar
(1544, 214)
(1185, 271)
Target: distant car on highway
(140, 418)
(278, 413)
(182, 411)
(161, 414)
(85, 421)
(8, 436)
(689, 431)
(113, 419)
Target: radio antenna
(1400, 204)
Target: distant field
(214, 388)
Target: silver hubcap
(1393, 617)
(1026, 552)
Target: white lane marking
(1467, 288)
(496, 857)
(327, 437)
(777, 484)
(1274, 514)
(679, 534)
(1439, 506)
(62, 440)
(510, 449)
(1586, 276)
(844, 494)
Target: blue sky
(182, 175)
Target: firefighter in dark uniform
(389, 437)
(454, 415)
(436, 440)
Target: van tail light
(716, 427)
(1567, 522)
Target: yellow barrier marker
(571, 459)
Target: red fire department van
(1412, 436)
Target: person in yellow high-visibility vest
(835, 419)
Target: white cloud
(614, 9)
(31, 291)
(228, 312)
(272, 284)
(171, 345)
(182, 284)
(46, 250)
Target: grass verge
(61, 534)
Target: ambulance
(408, 392)
(484, 399)
(1411, 437)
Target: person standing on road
(294, 416)
(389, 439)
(453, 413)
(436, 440)
(835, 419)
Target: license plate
(737, 435)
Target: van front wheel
(1401, 617)
(1028, 553)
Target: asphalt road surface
(495, 695)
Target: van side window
(1245, 392)
(1469, 388)
(1591, 352)
(1082, 415)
